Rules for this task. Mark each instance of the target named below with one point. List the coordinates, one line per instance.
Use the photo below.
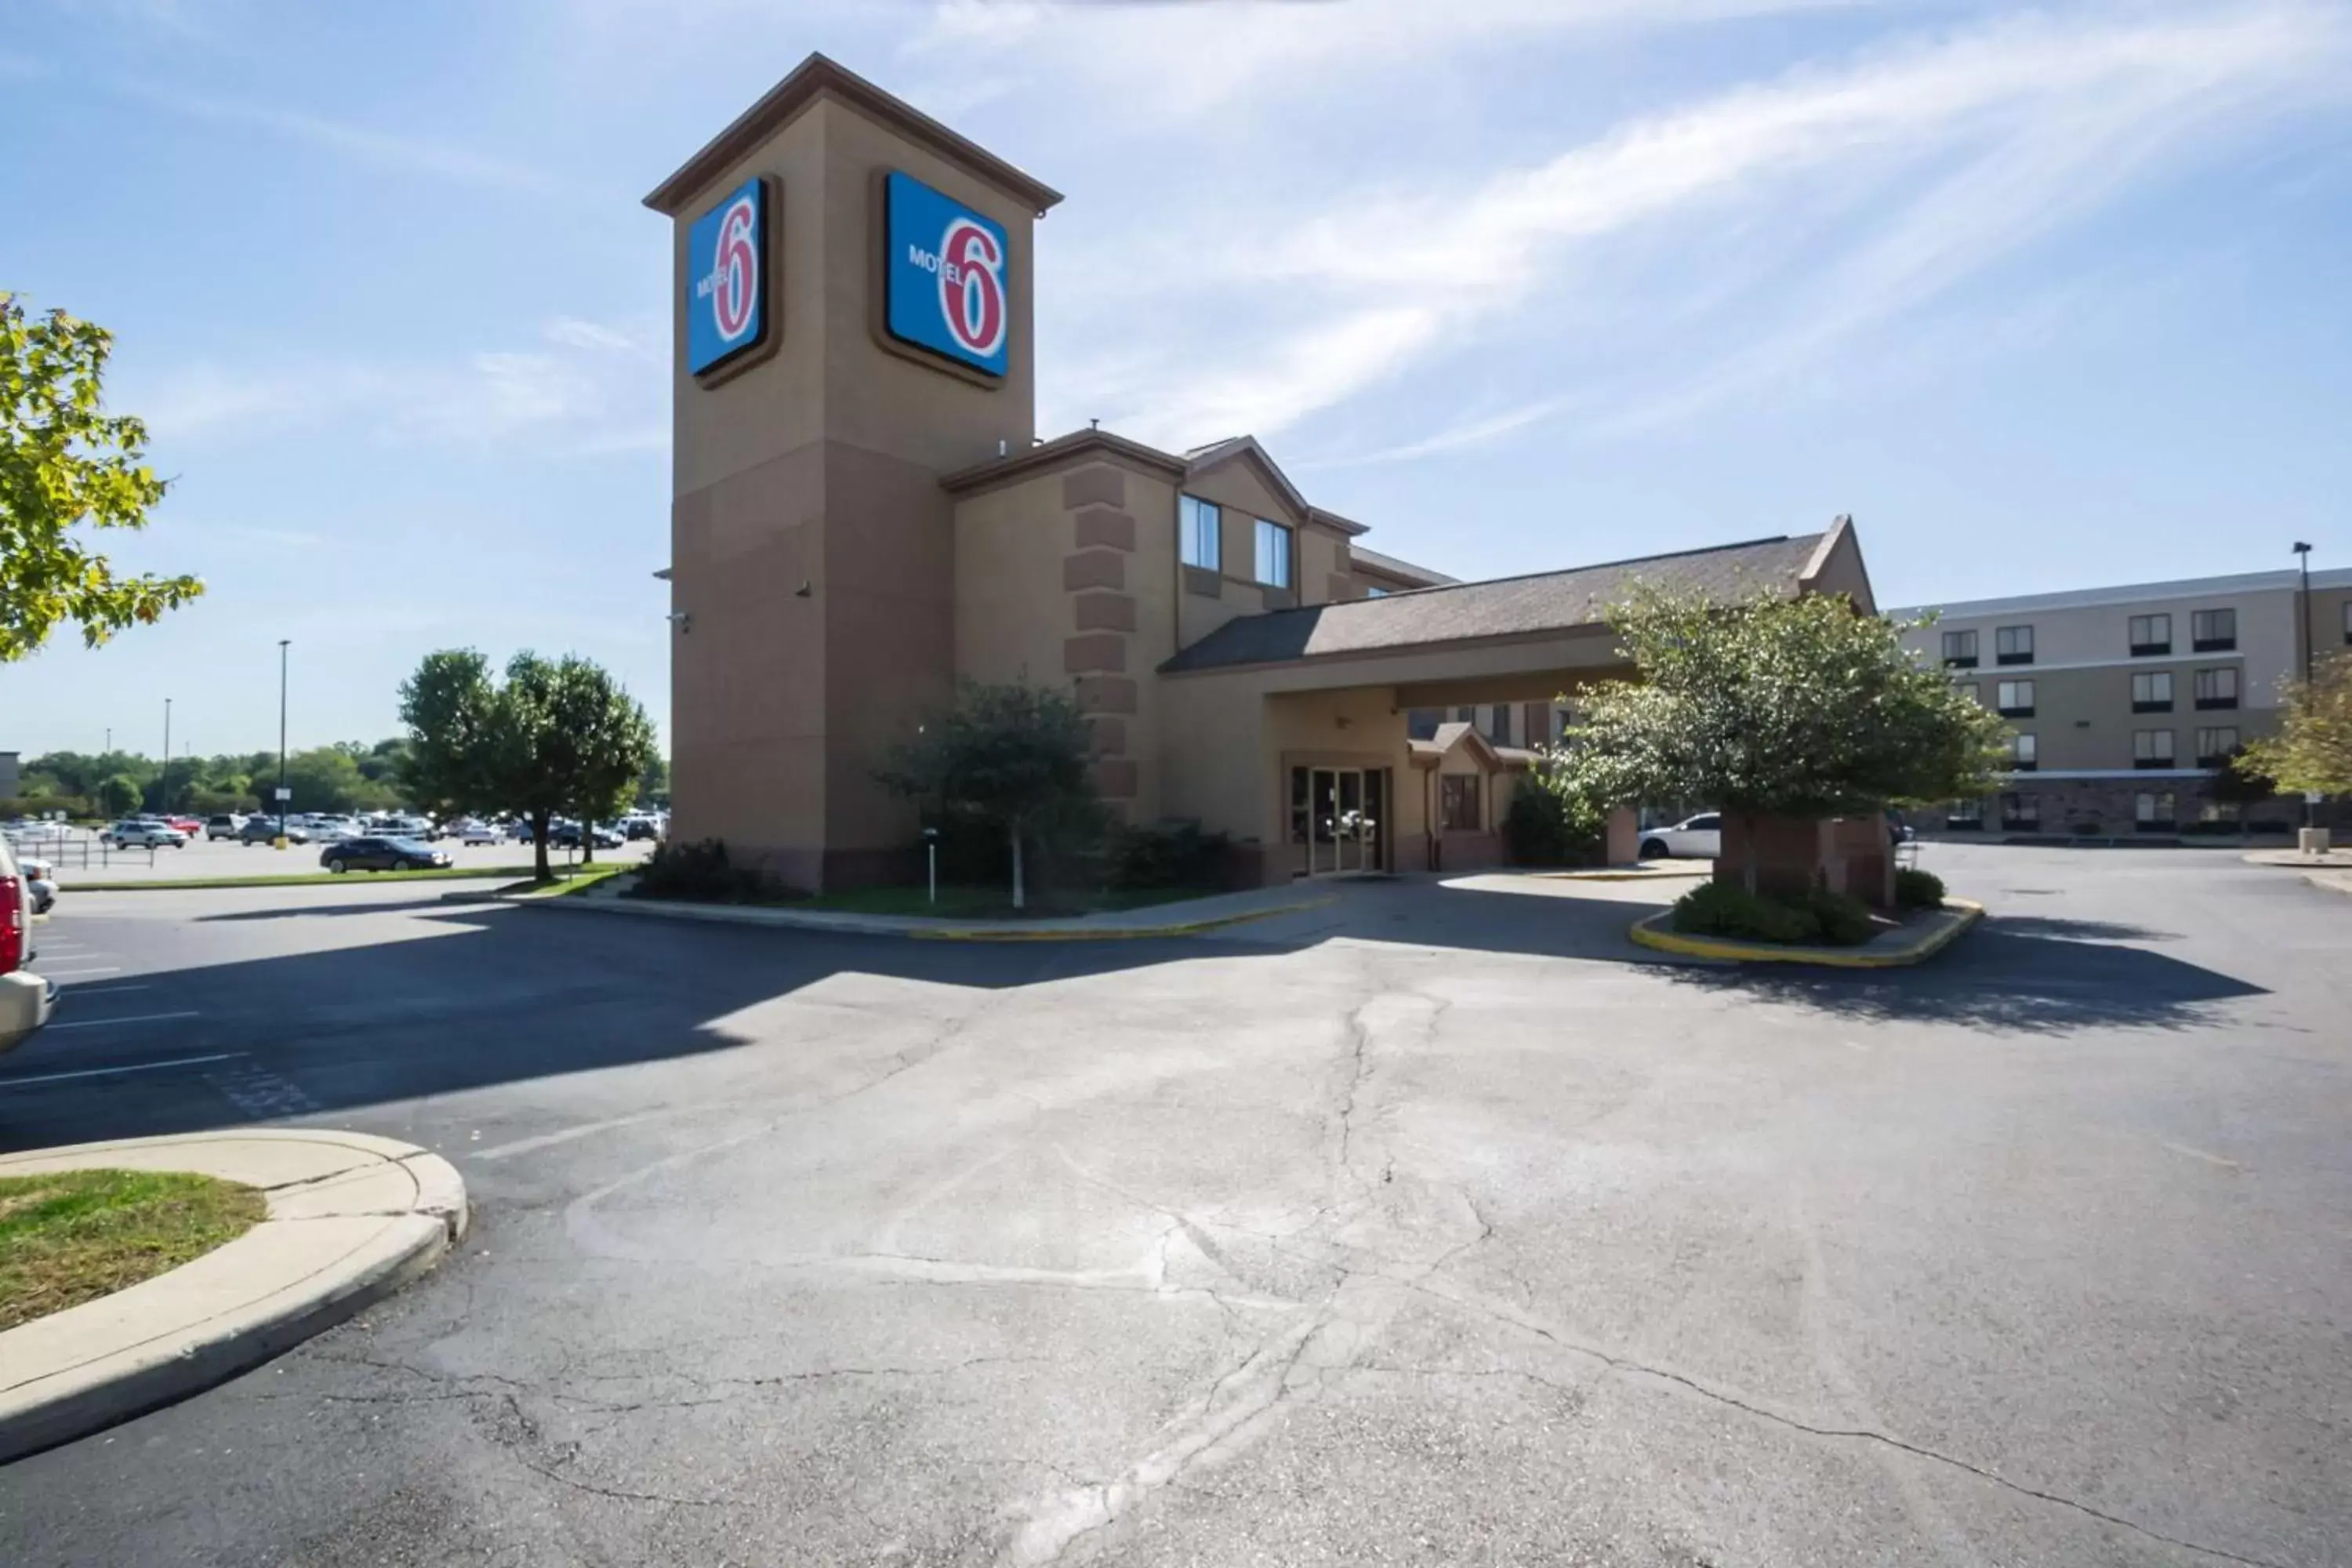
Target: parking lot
(1434, 1224)
(83, 862)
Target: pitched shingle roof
(1505, 606)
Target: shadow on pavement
(2081, 931)
(1998, 977)
(305, 911)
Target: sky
(2043, 297)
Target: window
(1420, 724)
(1457, 802)
(1965, 815)
(2153, 813)
(2013, 645)
(1199, 522)
(2213, 631)
(2014, 699)
(1273, 554)
(2152, 693)
(2214, 746)
(2150, 634)
(1376, 593)
(1498, 723)
(2024, 753)
(1465, 715)
(2151, 748)
(1960, 650)
(2217, 688)
(2021, 813)
(1971, 689)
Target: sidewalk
(2339, 859)
(1185, 917)
(352, 1219)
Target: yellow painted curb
(1625, 875)
(1109, 933)
(1652, 932)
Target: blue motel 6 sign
(944, 274)
(727, 277)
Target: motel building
(863, 514)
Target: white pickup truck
(26, 999)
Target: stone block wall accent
(1105, 612)
(1102, 619)
(1094, 651)
(1115, 776)
(1094, 569)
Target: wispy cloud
(1915, 167)
(588, 389)
(384, 148)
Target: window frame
(1965, 642)
(2150, 680)
(1974, 689)
(2207, 754)
(1452, 788)
(1284, 557)
(2217, 701)
(2021, 812)
(2146, 806)
(2013, 645)
(2205, 632)
(2024, 752)
(1190, 511)
(2014, 699)
(2144, 753)
(2143, 646)
(1964, 816)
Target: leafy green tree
(653, 784)
(2311, 751)
(119, 795)
(556, 736)
(63, 461)
(1774, 707)
(1018, 759)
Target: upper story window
(1420, 724)
(2151, 748)
(1273, 554)
(1960, 650)
(1198, 524)
(2013, 645)
(2217, 688)
(1972, 690)
(2152, 693)
(2213, 631)
(2015, 698)
(2150, 634)
(1376, 593)
(1498, 723)
(2024, 752)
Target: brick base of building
(2104, 808)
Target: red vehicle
(193, 826)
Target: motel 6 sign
(944, 277)
(727, 277)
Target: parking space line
(132, 1018)
(107, 990)
(60, 973)
(106, 1073)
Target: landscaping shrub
(1843, 920)
(1727, 909)
(702, 871)
(1917, 890)
(1540, 829)
(1164, 854)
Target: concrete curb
(1654, 932)
(890, 925)
(1629, 874)
(352, 1219)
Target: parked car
(191, 826)
(26, 999)
(262, 830)
(329, 830)
(637, 828)
(566, 835)
(41, 878)
(132, 834)
(225, 826)
(469, 831)
(372, 854)
(1696, 838)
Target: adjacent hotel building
(2124, 701)
(864, 513)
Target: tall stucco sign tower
(852, 321)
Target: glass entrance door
(1335, 819)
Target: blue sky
(2044, 297)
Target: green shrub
(1917, 890)
(1727, 909)
(703, 872)
(1843, 920)
(1540, 828)
(1164, 854)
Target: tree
(2238, 784)
(2311, 751)
(1017, 758)
(119, 795)
(653, 784)
(1774, 707)
(554, 737)
(64, 462)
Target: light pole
(164, 799)
(281, 740)
(2303, 559)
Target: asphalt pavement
(1431, 1226)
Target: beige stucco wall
(1011, 613)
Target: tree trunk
(1748, 833)
(1020, 901)
(588, 843)
(539, 845)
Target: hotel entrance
(1338, 820)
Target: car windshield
(411, 844)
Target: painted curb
(187, 1339)
(885, 925)
(1652, 932)
(1626, 876)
